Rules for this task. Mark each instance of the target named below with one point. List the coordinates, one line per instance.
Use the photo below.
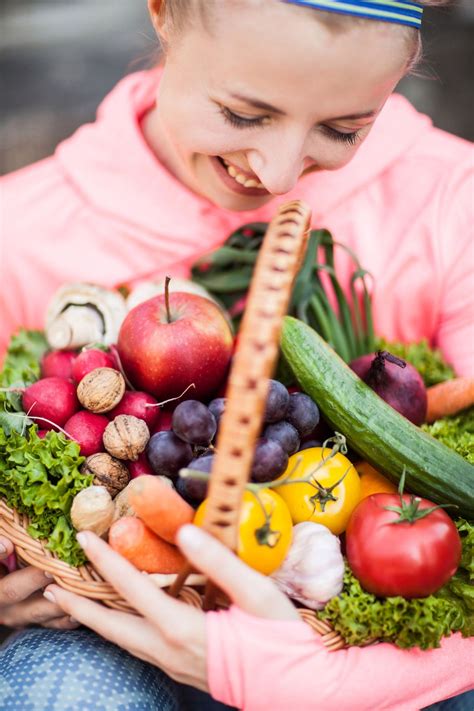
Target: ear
(156, 8)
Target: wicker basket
(278, 263)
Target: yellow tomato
(327, 495)
(372, 481)
(264, 538)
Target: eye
(348, 138)
(240, 121)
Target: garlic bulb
(313, 570)
(92, 510)
(81, 313)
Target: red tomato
(412, 559)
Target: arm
(259, 656)
(294, 668)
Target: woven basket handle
(278, 263)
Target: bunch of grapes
(289, 419)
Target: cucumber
(382, 436)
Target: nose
(279, 163)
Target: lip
(233, 184)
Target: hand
(170, 634)
(21, 597)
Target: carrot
(160, 507)
(146, 551)
(449, 397)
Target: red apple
(163, 351)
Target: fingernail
(49, 596)
(3, 550)
(47, 575)
(82, 539)
(190, 537)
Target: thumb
(252, 592)
(6, 548)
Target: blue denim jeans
(46, 670)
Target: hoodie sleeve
(257, 664)
(455, 230)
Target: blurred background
(59, 58)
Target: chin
(238, 203)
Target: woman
(257, 102)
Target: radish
(87, 430)
(53, 399)
(164, 423)
(90, 359)
(58, 364)
(140, 467)
(135, 403)
(396, 382)
(42, 433)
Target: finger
(135, 587)
(252, 592)
(128, 631)
(6, 548)
(18, 586)
(62, 623)
(34, 611)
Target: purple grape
(269, 460)
(195, 490)
(285, 434)
(167, 453)
(217, 407)
(193, 422)
(302, 413)
(277, 402)
(309, 444)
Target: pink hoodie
(103, 209)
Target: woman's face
(266, 94)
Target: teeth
(241, 178)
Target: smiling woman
(256, 102)
(243, 125)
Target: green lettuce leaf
(40, 477)
(456, 432)
(20, 368)
(360, 617)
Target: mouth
(238, 181)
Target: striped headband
(402, 12)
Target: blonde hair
(178, 12)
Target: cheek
(337, 157)
(195, 127)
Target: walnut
(126, 437)
(92, 510)
(101, 390)
(107, 471)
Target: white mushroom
(81, 313)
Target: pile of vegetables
(337, 534)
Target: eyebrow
(258, 104)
